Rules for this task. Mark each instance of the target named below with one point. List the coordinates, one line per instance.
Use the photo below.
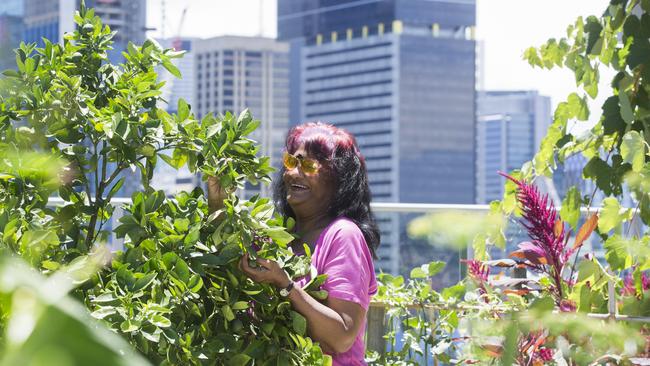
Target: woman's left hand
(267, 271)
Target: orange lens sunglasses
(308, 166)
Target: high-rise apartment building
(400, 76)
(510, 128)
(166, 177)
(230, 73)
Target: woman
(324, 187)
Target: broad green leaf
(418, 272)
(610, 215)
(125, 278)
(626, 108)
(144, 281)
(181, 225)
(299, 323)
(633, 150)
(622, 253)
(279, 235)
(435, 267)
(160, 321)
(129, 326)
(227, 313)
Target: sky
(504, 27)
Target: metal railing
(376, 323)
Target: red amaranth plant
(547, 251)
(479, 273)
(629, 288)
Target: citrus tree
(174, 292)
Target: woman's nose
(294, 172)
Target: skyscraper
(52, 18)
(11, 31)
(234, 73)
(399, 75)
(510, 128)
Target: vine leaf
(633, 150)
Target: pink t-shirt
(341, 252)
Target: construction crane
(177, 45)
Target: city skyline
(503, 67)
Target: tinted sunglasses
(307, 165)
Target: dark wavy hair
(337, 150)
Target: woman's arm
(216, 195)
(334, 324)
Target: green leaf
(227, 313)
(622, 253)
(610, 216)
(626, 108)
(591, 271)
(116, 187)
(418, 272)
(160, 321)
(570, 211)
(299, 323)
(144, 281)
(279, 235)
(181, 225)
(435, 267)
(125, 278)
(103, 312)
(169, 66)
(129, 326)
(578, 107)
(240, 359)
(543, 304)
(195, 283)
(633, 150)
(454, 292)
(240, 305)
(183, 110)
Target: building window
(228, 62)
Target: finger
(266, 263)
(243, 262)
(248, 271)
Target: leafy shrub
(175, 292)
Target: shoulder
(343, 235)
(343, 227)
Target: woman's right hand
(216, 194)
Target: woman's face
(307, 194)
